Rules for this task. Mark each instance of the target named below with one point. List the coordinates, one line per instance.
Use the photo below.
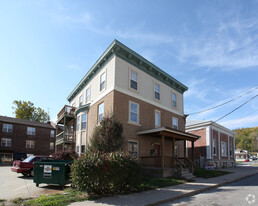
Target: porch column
(193, 151)
(162, 151)
(173, 151)
(184, 150)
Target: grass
(71, 195)
(209, 173)
(2, 200)
(67, 197)
(150, 183)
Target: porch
(167, 156)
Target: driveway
(15, 185)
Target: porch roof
(169, 132)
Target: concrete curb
(199, 191)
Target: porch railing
(66, 110)
(64, 137)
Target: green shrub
(106, 173)
(108, 136)
(65, 155)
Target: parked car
(246, 160)
(254, 158)
(26, 166)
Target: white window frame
(78, 123)
(82, 152)
(31, 131)
(6, 142)
(157, 118)
(174, 100)
(174, 122)
(214, 147)
(87, 95)
(80, 100)
(135, 80)
(137, 112)
(102, 82)
(157, 91)
(78, 148)
(52, 146)
(100, 115)
(132, 147)
(84, 122)
(52, 133)
(7, 128)
(223, 149)
(29, 144)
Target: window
(174, 123)
(52, 133)
(134, 112)
(77, 149)
(157, 118)
(102, 81)
(88, 95)
(231, 150)
(83, 149)
(133, 148)
(51, 146)
(174, 100)
(7, 128)
(84, 121)
(80, 101)
(214, 147)
(100, 112)
(31, 130)
(223, 149)
(6, 142)
(30, 144)
(157, 91)
(133, 80)
(73, 105)
(78, 123)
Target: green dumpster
(55, 172)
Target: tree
(27, 110)
(246, 138)
(108, 136)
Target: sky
(46, 47)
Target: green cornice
(82, 108)
(125, 53)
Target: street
(243, 192)
(15, 185)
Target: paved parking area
(15, 185)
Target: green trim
(82, 108)
(125, 53)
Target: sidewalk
(162, 195)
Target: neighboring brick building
(217, 143)
(146, 100)
(24, 136)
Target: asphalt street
(243, 192)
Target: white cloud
(241, 122)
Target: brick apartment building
(145, 99)
(217, 143)
(24, 136)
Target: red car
(246, 160)
(26, 166)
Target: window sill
(134, 123)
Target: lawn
(209, 173)
(71, 195)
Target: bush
(108, 136)
(106, 173)
(65, 155)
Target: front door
(157, 155)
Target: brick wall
(199, 145)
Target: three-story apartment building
(147, 101)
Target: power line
(237, 108)
(224, 102)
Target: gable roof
(25, 122)
(118, 49)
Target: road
(15, 185)
(243, 192)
